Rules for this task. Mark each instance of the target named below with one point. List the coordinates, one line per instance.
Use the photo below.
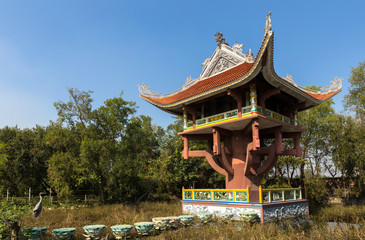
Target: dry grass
(110, 215)
(340, 213)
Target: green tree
(315, 138)
(26, 162)
(287, 165)
(132, 173)
(77, 110)
(11, 215)
(64, 170)
(173, 171)
(355, 99)
(348, 154)
(95, 148)
(3, 162)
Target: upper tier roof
(229, 68)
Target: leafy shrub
(317, 193)
(10, 219)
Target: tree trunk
(287, 170)
(14, 229)
(102, 192)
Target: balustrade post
(295, 194)
(260, 193)
(248, 193)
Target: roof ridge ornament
(206, 62)
(220, 39)
(336, 84)
(289, 78)
(249, 56)
(237, 48)
(145, 90)
(268, 26)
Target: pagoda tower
(243, 109)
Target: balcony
(233, 114)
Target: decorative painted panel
(201, 121)
(202, 195)
(246, 110)
(276, 116)
(223, 195)
(285, 211)
(188, 195)
(195, 208)
(241, 196)
(231, 114)
(216, 118)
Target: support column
(255, 134)
(279, 140)
(185, 152)
(253, 98)
(265, 95)
(236, 181)
(238, 97)
(296, 118)
(192, 111)
(216, 142)
(254, 181)
(185, 118)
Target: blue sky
(111, 46)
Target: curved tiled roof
(235, 75)
(322, 97)
(206, 84)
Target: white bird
(38, 208)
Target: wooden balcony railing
(233, 114)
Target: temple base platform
(266, 212)
(275, 204)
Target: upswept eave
(287, 84)
(237, 76)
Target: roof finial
(220, 39)
(268, 23)
(237, 48)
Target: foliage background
(117, 156)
